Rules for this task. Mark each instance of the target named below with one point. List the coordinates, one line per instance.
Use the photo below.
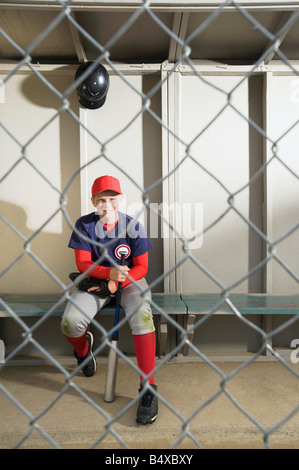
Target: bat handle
(118, 292)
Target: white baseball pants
(136, 307)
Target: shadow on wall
(39, 93)
(51, 248)
(25, 274)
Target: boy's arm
(139, 268)
(84, 262)
(138, 271)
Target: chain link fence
(63, 11)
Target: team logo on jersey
(122, 249)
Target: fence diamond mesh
(10, 165)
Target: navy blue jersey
(128, 235)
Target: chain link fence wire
(29, 332)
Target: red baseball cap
(105, 183)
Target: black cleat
(91, 366)
(148, 407)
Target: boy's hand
(112, 286)
(118, 276)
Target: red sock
(80, 344)
(145, 348)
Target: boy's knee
(142, 321)
(73, 324)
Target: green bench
(188, 306)
(246, 304)
(31, 305)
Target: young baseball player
(117, 232)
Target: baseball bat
(109, 395)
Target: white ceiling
(230, 37)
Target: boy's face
(107, 203)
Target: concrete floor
(267, 390)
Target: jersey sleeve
(139, 269)
(84, 262)
(76, 241)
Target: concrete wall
(29, 199)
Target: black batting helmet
(92, 91)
